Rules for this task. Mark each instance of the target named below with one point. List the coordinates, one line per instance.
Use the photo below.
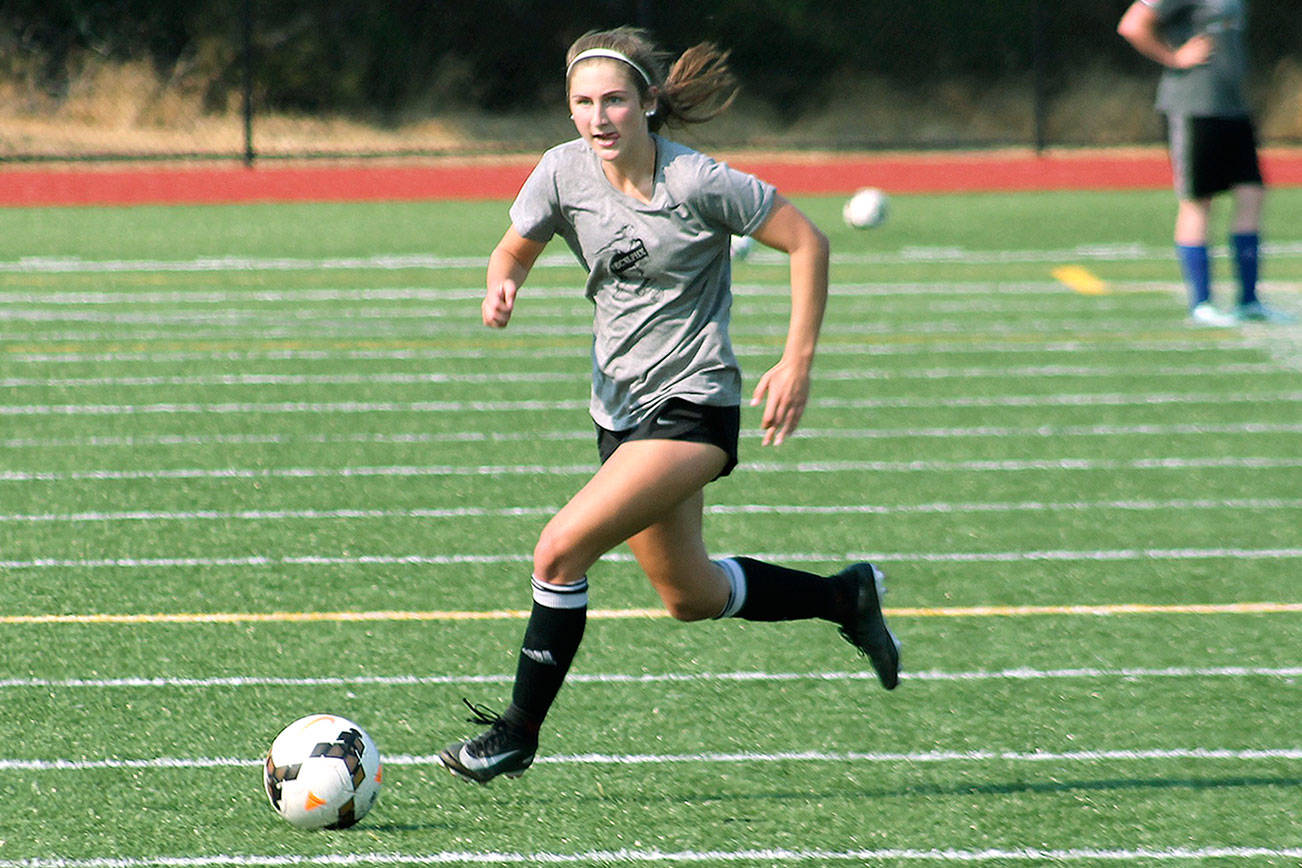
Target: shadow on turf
(1013, 788)
(1103, 784)
(406, 827)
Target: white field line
(932, 676)
(429, 378)
(907, 255)
(454, 513)
(627, 856)
(412, 560)
(265, 299)
(1110, 399)
(750, 305)
(409, 471)
(400, 378)
(1101, 610)
(1196, 342)
(845, 314)
(178, 440)
(964, 326)
(243, 298)
(723, 758)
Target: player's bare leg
(634, 488)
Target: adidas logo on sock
(544, 657)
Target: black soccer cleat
(867, 629)
(503, 749)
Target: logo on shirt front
(622, 263)
(626, 256)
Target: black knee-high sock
(769, 592)
(560, 612)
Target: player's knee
(687, 599)
(559, 557)
(689, 608)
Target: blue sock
(1245, 247)
(1197, 268)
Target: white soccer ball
(741, 246)
(323, 771)
(866, 208)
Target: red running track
(793, 174)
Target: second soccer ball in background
(866, 208)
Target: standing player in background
(1213, 144)
(651, 220)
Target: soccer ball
(741, 246)
(323, 771)
(866, 208)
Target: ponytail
(699, 85)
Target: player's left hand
(784, 391)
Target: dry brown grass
(1282, 119)
(128, 109)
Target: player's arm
(508, 266)
(785, 387)
(1139, 27)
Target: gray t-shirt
(1216, 88)
(659, 273)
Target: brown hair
(699, 85)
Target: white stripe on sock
(573, 596)
(736, 587)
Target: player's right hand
(498, 303)
(1195, 52)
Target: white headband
(611, 54)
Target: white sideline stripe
(405, 471)
(291, 407)
(1194, 342)
(391, 378)
(237, 316)
(939, 756)
(1039, 855)
(404, 378)
(738, 509)
(1285, 672)
(987, 289)
(1113, 399)
(619, 557)
(242, 299)
(755, 303)
(407, 378)
(282, 515)
(586, 435)
(1092, 611)
(951, 254)
(965, 326)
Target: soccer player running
(650, 220)
(1212, 140)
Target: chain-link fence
(265, 79)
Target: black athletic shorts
(1210, 155)
(677, 419)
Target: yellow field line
(612, 614)
(1080, 279)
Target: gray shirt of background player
(659, 273)
(1216, 88)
